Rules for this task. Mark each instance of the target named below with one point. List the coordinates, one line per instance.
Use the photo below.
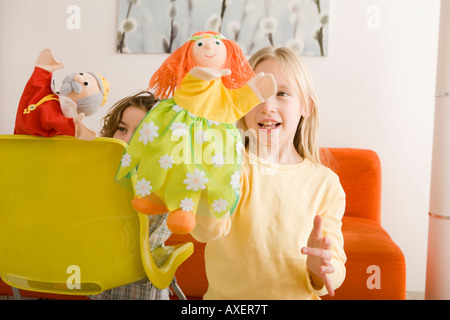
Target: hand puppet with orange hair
(188, 145)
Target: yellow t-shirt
(256, 254)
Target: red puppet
(42, 112)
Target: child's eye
(283, 94)
(122, 129)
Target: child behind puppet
(120, 123)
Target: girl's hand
(319, 254)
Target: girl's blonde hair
(143, 100)
(305, 140)
(180, 62)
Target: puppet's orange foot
(145, 206)
(181, 222)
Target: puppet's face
(209, 53)
(88, 83)
(88, 86)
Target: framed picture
(161, 26)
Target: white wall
(377, 92)
(376, 88)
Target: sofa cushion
(373, 260)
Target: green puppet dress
(189, 144)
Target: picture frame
(161, 26)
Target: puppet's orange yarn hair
(180, 62)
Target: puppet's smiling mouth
(210, 56)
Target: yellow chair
(65, 226)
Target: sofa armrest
(359, 171)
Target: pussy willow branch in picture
(244, 15)
(319, 35)
(317, 2)
(222, 13)
(121, 36)
(268, 24)
(190, 11)
(174, 27)
(295, 43)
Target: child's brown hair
(144, 100)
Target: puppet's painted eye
(86, 83)
(199, 44)
(81, 73)
(218, 42)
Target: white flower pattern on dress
(218, 160)
(143, 187)
(201, 137)
(235, 179)
(239, 147)
(177, 108)
(196, 180)
(220, 205)
(179, 129)
(211, 122)
(126, 160)
(166, 161)
(148, 132)
(187, 204)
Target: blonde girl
(284, 240)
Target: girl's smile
(269, 124)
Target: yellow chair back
(65, 225)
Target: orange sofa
(375, 264)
